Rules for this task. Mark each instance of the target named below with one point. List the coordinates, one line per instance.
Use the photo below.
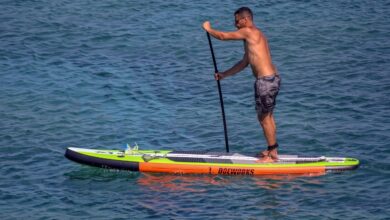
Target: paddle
(220, 94)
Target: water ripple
(109, 73)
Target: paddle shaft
(220, 94)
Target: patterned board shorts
(266, 90)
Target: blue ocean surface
(100, 74)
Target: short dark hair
(244, 11)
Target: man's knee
(264, 118)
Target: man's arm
(236, 35)
(235, 69)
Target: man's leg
(266, 90)
(269, 128)
(267, 122)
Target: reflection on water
(175, 182)
(100, 174)
(162, 182)
(277, 181)
(193, 183)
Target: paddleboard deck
(199, 162)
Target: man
(258, 56)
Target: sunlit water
(100, 74)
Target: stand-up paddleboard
(191, 162)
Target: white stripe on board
(282, 158)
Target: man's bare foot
(268, 156)
(273, 154)
(266, 159)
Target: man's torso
(259, 56)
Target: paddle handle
(220, 94)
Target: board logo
(235, 171)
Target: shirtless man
(258, 56)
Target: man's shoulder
(254, 33)
(250, 31)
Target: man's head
(243, 17)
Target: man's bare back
(259, 57)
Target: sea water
(100, 74)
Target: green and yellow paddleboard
(192, 162)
